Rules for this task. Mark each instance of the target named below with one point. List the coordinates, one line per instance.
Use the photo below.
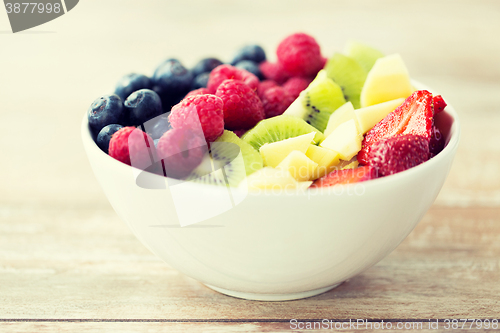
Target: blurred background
(49, 76)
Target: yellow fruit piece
(304, 185)
(270, 178)
(300, 166)
(352, 165)
(326, 159)
(369, 116)
(274, 153)
(345, 139)
(341, 115)
(387, 80)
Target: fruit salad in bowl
(272, 180)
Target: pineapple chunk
(369, 116)
(352, 165)
(341, 115)
(270, 178)
(326, 159)
(274, 153)
(301, 167)
(345, 139)
(387, 80)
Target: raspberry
(209, 114)
(392, 155)
(275, 101)
(295, 85)
(181, 150)
(300, 55)
(132, 146)
(199, 91)
(228, 72)
(324, 60)
(242, 107)
(264, 85)
(274, 71)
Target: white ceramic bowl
(274, 247)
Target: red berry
(132, 146)
(228, 72)
(204, 110)
(274, 71)
(324, 60)
(392, 155)
(300, 55)
(439, 104)
(414, 116)
(240, 133)
(264, 85)
(199, 91)
(181, 150)
(437, 142)
(295, 85)
(275, 101)
(346, 176)
(242, 107)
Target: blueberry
(172, 78)
(205, 65)
(105, 110)
(130, 83)
(200, 81)
(168, 100)
(250, 66)
(105, 134)
(142, 105)
(253, 53)
(158, 126)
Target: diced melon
(345, 139)
(386, 81)
(270, 178)
(274, 153)
(352, 165)
(326, 159)
(301, 167)
(340, 116)
(304, 185)
(369, 116)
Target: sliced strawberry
(346, 176)
(437, 142)
(414, 116)
(392, 155)
(439, 104)
(421, 120)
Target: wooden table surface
(68, 263)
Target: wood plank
(85, 264)
(196, 327)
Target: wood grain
(67, 263)
(84, 264)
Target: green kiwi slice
(229, 161)
(318, 101)
(279, 128)
(349, 74)
(365, 55)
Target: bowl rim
(454, 138)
